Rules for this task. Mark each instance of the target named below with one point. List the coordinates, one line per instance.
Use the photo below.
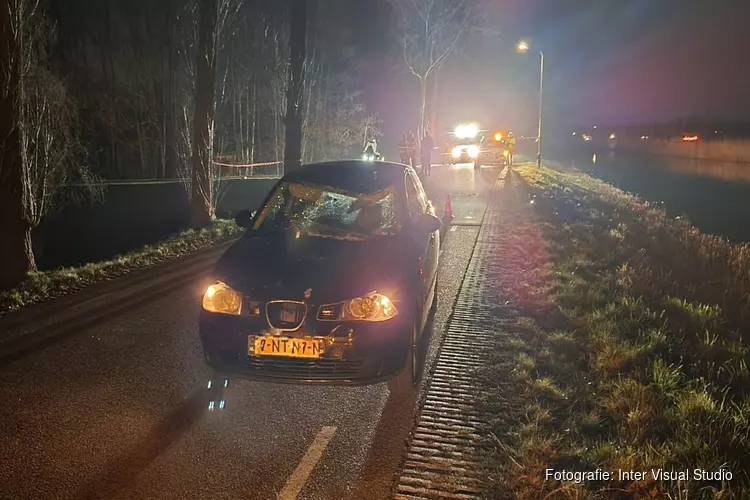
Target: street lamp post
(522, 48)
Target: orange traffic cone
(448, 214)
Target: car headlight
(456, 152)
(220, 298)
(372, 307)
(473, 151)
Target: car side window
(416, 203)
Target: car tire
(405, 383)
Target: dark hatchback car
(332, 283)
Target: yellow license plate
(270, 345)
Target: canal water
(714, 196)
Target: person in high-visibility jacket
(511, 144)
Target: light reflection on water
(715, 196)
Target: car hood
(280, 267)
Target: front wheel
(405, 383)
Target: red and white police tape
(250, 165)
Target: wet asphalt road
(118, 411)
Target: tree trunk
(253, 117)
(327, 115)
(108, 71)
(295, 85)
(201, 212)
(434, 99)
(167, 89)
(422, 105)
(15, 260)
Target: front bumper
(357, 353)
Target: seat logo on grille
(285, 315)
(290, 313)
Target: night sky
(607, 61)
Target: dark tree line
(131, 64)
(138, 89)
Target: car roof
(357, 176)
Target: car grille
(311, 369)
(285, 315)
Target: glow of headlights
(456, 152)
(374, 307)
(473, 151)
(220, 298)
(505, 153)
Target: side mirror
(243, 218)
(427, 223)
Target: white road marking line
(298, 478)
(453, 228)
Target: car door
(434, 253)
(418, 205)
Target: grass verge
(630, 352)
(42, 285)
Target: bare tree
(214, 16)
(201, 212)
(51, 150)
(14, 259)
(429, 32)
(295, 85)
(187, 32)
(41, 147)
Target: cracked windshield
(375, 249)
(318, 211)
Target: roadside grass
(42, 285)
(632, 354)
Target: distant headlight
(220, 298)
(372, 307)
(505, 153)
(456, 152)
(473, 151)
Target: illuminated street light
(522, 48)
(611, 136)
